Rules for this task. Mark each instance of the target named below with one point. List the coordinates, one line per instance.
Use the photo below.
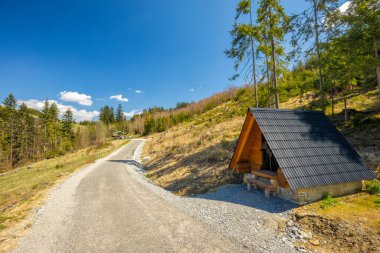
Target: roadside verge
(28, 187)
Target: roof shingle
(309, 149)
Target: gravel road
(110, 207)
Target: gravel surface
(247, 217)
(111, 207)
(256, 223)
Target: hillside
(193, 157)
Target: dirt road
(103, 208)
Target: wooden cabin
(297, 155)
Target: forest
(333, 54)
(28, 135)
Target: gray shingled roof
(309, 149)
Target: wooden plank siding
(254, 148)
(247, 155)
(247, 127)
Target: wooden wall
(247, 155)
(252, 149)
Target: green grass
(373, 187)
(328, 201)
(25, 187)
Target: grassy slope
(193, 157)
(25, 188)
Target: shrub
(225, 144)
(328, 201)
(50, 154)
(373, 187)
(239, 95)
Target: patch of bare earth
(353, 225)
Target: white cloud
(79, 115)
(119, 98)
(138, 91)
(73, 96)
(192, 90)
(343, 8)
(132, 113)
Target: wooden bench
(268, 187)
(265, 174)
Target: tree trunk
(24, 149)
(377, 67)
(274, 63)
(11, 141)
(345, 110)
(253, 61)
(332, 103)
(34, 143)
(318, 54)
(55, 138)
(268, 77)
(45, 140)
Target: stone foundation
(302, 196)
(306, 196)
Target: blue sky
(140, 53)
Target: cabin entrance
(254, 158)
(269, 162)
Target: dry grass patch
(193, 157)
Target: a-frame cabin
(298, 155)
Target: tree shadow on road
(128, 162)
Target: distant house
(298, 155)
(119, 135)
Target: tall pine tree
(10, 112)
(306, 25)
(67, 129)
(273, 25)
(243, 43)
(119, 114)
